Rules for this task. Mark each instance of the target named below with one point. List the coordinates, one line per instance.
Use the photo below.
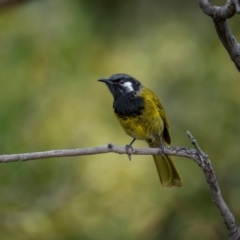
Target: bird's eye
(122, 82)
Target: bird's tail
(167, 171)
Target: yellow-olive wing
(166, 131)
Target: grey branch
(195, 154)
(220, 16)
(206, 166)
(110, 148)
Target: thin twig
(220, 16)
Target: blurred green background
(51, 54)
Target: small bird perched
(142, 117)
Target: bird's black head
(121, 84)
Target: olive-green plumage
(142, 117)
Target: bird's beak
(105, 80)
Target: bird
(142, 117)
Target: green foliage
(52, 53)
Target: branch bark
(110, 148)
(195, 154)
(219, 16)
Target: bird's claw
(127, 147)
(161, 147)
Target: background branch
(220, 16)
(8, 3)
(196, 154)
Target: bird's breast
(126, 107)
(139, 118)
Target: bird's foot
(161, 147)
(127, 147)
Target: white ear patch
(128, 86)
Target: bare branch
(110, 148)
(225, 12)
(7, 3)
(220, 16)
(206, 166)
